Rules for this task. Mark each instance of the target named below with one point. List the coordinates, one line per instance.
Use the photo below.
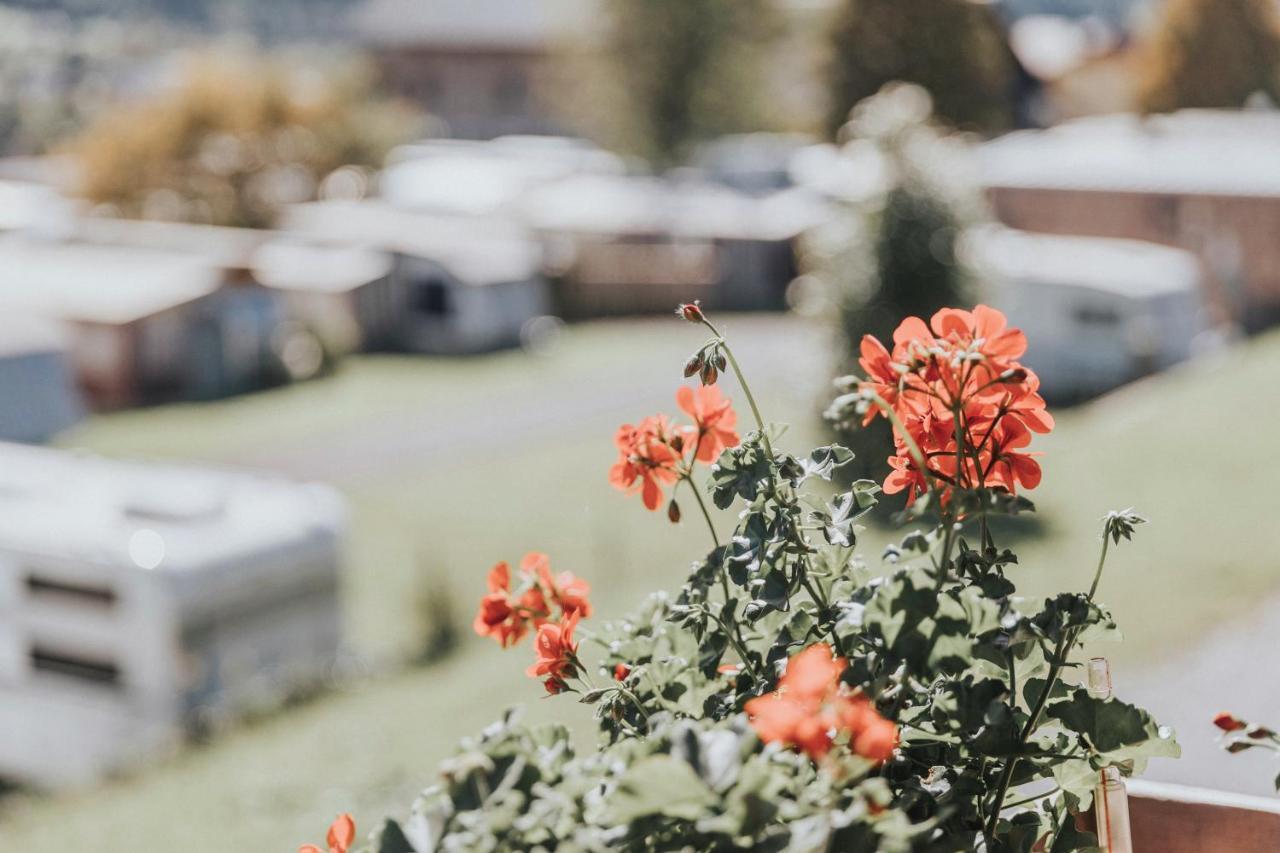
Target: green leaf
(659, 785)
(1077, 778)
(392, 839)
(1124, 734)
(824, 461)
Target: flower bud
(693, 365)
(690, 311)
(719, 361)
(1014, 375)
(673, 512)
(677, 443)
(621, 671)
(1228, 723)
(709, 373)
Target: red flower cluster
(652, 454)
(507, 614)
(810, 710)
(958, 389)
(557, 654)
(342, 834)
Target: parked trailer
(1099, 312)
(139, 600)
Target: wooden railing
(1178, 819)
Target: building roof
(1211, 152)
(478, 251)
(478, 178)
(144, 516)
(290, 263)
(521, 25)
(1130, 268)
(229, 248)
(23, 335)
(25, 205)
(74, 281)
(621, 205)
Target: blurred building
(1205, 181)
(139, 600)
(37, 380)
(481, 66)
(143, 325)
(342, 293)
(632, 245)
(1098, 312)
(456, 284)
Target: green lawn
(1191, 450)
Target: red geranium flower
(810, 710)
(646, 459)
(498, 617)
(713, 418)
(959, 393)
(566, 590)
(342, 833)
(621, 671)
(508, 614)
(1229, 723)
(557, 654)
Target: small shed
(138, 601)
(1098, 312)
(459, 284)
(633, 245)
(342, 293)
(144, 325)
(37, 382)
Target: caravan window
(77, 667)
(1097, 315)
(431, 297)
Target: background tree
(668, 73)
(1211, 53)
(238, 138)
(955, 49)
(892, 251)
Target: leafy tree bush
(670, 73)
(1211, 53)
(238, 138)
(790, 697)
(955, 49)
(891, 250)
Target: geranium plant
(791, 695)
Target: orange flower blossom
(342, 834)
(963, 398)
(713, 418)
(652, 454)
(557, 654)
(507, 615)
(810, 710)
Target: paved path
(788, 354)
(1237, 670)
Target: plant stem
(735, 640)
(644, 715)
(1102, 561)
(1065, 644)
(742, 380)
(697, 496)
